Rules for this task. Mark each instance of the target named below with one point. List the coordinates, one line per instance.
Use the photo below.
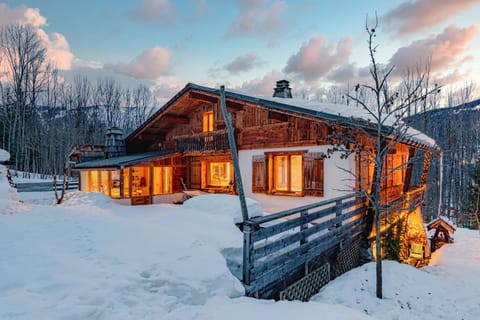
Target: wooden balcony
(415, 197)
(202, 142)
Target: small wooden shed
(442, 230)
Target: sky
(248, 45)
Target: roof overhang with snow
(123, 161)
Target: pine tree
(473, 197)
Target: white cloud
(257, 18)
(243, 63)
(21, 14)
(150, 64)
(415, 16)
(153, 11)
(58, 49)
(264, 85)
(316, 58)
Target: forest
(42, 116)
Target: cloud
(153, 11)
(164, 88)
(22, 15)
(257, 18)
(150, 64)
(243, 63)
(414, 16)
(447, 50)
(57, 47)
(315, 58)
(262, 86)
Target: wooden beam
(237, 106)
(203, 97)
(213, 99)
(175, 119)
(160, 136)
(277, 116)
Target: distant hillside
(457, 131)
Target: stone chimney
(282, 90)
(114, 143)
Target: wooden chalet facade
(283, 150)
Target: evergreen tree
(473, 196)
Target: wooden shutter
(259, 174)
(196, 175)
(313, 174)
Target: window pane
(296, 172)
(104, 187)
(126, 182)
(281, 173)
(219, 174)
(162, 180)
(167, 179)
(115, 184)
(157, 180)
(208, 121)
(84, 181)
(140, 181)
(93, 183)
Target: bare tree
(385, 108)
(108, 94)
(24, 56)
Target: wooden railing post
(303, 227)
(247, 253)
(338, 212)
(304, 240)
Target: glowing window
(115, 184)
(162, 180)
(288, 173)
(220, 174)
(208, 121)
(140, 181)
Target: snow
(4, 155)
(90, 258)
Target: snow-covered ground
(90, 258)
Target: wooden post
(303, 240)
(247, 253)
(233, 150)
(338, 212)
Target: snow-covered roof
(349, 114)
(118, 162)
(444, 221)
(355, 116)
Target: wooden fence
(281, 248)
(44, 186)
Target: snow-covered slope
(9, 202)
(90, 258)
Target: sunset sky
(248, 45)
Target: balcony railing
(201, 142)
(415, 197)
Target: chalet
(283, 150)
